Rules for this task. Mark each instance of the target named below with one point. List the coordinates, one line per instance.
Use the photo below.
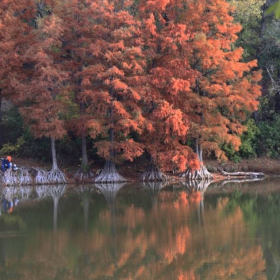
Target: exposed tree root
(24, 175)
(109, 174)
(153, 173)
(83, 174)
(241, 174)
(41, 176)
(201, 174)
(10, 177)
(56, 176)
(21, 176)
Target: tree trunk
(153, 173)
(84, 150)
(241, 174)
(1, 121)
(109, 174)
(55, 175)
(200, 174)
(84, 173)
(54, 159)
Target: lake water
(141, 231)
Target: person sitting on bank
(6, 163)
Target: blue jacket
(5, 164)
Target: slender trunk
(111, 137)
(54, 159)
(198, 149)
(84, 150)
(1, 120)
(111, 130)
(196, 145)
(200, 152)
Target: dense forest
(171, 81)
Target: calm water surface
(141, 231)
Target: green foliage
(231, 154)
(268, 141)
(248, 144)
(275, 9)
(248, 139)
(68, 98)
(249, 14)
(12, 125)
(9, 148)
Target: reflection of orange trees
(164, 242)
(187, 275)
(161, 244)
(185, 198)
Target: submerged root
(193, 185)
(25, 192)
(153, 173)
(56, 176)
(10, 193)
(153, 187)
(42, 191)
(81, 189)
(201, 174)
(109, 191)
(109, 174)
(56, 191)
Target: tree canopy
(162, 77)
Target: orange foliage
(156, 69)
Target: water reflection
(110, 231)
(9, 199)
(56, 192)
(110, 192)
(85, 191)
(153, 189)
(41, 191)
(25, 192)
